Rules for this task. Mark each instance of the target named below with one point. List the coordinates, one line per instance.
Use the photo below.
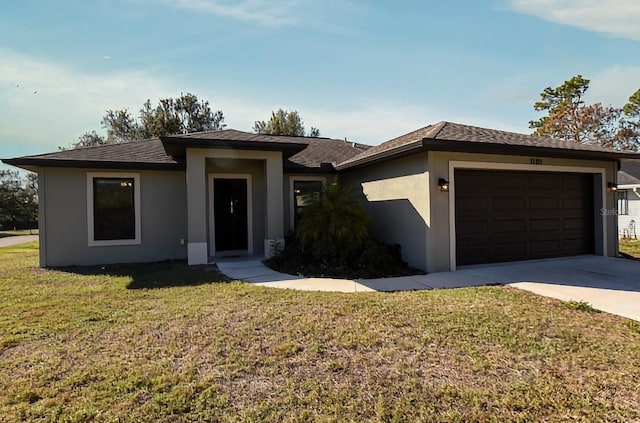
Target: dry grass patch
(165, 342)
(630, 247)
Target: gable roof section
(144, 154)
(323, 154)
(176, 145)
(448, 136)
(629, 173)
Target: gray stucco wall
(163, 219)
(395, 195)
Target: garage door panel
(518, 215)
(508, 203)
(509, 226)
(544, 224)
(506, 252)
(543, 203)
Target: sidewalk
(15, 240)
(251, 270)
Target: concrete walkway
(606, 283)
(15, 240)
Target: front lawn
(630, 247)
(169, 343)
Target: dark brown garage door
(512, 215)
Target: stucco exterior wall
(202, 160)
(64, 240)
(395, 194)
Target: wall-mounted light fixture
(612, 187)
(443, 184)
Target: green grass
(630, 247)
(169, 343)
(4, 234)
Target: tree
(284, 122)
(18, 200)
(629, 134)
(182, 115)
(570, 119)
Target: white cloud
(268, 13)
(614, 17)
(46, 104)
(613, 86)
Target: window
(113, 209)
(303, 193)
(623, 202)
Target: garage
(504, 215)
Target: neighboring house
(629, 199)
(449, 194)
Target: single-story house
(628, 199)
(449, 194)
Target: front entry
(230, 208)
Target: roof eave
(403, 150)
(30, 163)
(177, 147)
(430, 144)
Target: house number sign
(535, 161)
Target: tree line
(182, 115)
(569, 118)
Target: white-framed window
(303, 190)
(113, 208)
(623, 202)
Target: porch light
(612, 187)
(443, 184)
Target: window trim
(136, 206)
(292, 197)
(622, 198)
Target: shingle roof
(629, 173)
(300, 153)
(448, 136)
(325, 150)
(137, 154)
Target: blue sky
(365, 70)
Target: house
(449, 194)
(628, 199)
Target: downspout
(635, 191)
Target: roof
(629, 173)
(323, 150)
(448, 136)
(302, 154)
(144, 154)
(176, 145)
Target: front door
(230, 214)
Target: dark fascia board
(324, 169)
(488, 148)
(177, 147)
(29, 163)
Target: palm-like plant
(334, 227)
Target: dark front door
(230, 214)
(514, 215)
